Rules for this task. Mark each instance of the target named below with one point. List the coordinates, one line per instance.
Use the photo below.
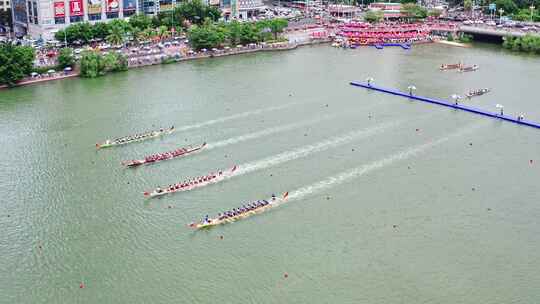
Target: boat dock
(448, 104)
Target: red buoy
(81, 285)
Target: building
(390, 10)
(344, 11)
(241, 9)
(5, 5)
(43, 18)
(5, 17)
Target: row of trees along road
(212, 35)
(140, 27)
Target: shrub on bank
(527, 43)
(16, 62)
(94, 64)
(464, 38)
(66, 58)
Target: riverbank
(202, 55)
(30, 80)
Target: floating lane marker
(448, 104)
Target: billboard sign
(76, 8)
(113, 5)
(59, 9)
(94, 6)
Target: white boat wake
(314, 148)
(235, 116)
(266, 132)
(367, 168)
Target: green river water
(391, 200)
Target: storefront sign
(94, 6)
(113, 5)
(59, 9)
(76, 8)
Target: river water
(391, 200)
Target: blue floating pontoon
(402, 45)
(448, 104)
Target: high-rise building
(42, 18)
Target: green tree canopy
(205, 36)
(66, 58)
(414, 11)
(100, 30)
(196, 12)
(116, 35)
(277, 26)
(509, 6)
(140, 21)
(373, 16)
(16, 62)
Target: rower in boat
(478, 92)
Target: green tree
(277, 26)
(249, 33)
(373, 16)
(60, 35)
(100, 30)
(163, 32)
(195, 12)
(467, 5)
(114, 62)
(86, 32)
(121, 24)
(205, 36)
(66, 58)
(527, 43)
(91, 65)
(15, 63)
(116, 35)
(72, 33)
(413, 11)
(509, 6)
(234, 32)
(140, 21)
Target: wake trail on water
(266, 132)
(314, 148)
(373, 166)
(235, 116)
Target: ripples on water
(401, 201)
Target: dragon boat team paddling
(163, 156)
(192, 183)
(237, 213)
(134, 138)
